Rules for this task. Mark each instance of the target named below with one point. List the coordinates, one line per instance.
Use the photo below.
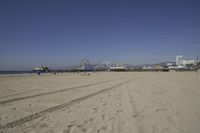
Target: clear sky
(58, 33)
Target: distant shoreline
(15, 72)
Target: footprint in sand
(161, 109)
(101, 98)
(70, 126)
(178, 113)
(120, 110)
(155, 129)
(95, 110)
(82, 128)
(43, 125)
(103, 117)
(68, 130)
(170, 120)
(134, 115)
(90, 130)
(104, 104)
(91, 119)
(39, 100)
(104, 128)
(69, 111)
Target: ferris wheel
(84, 62)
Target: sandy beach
(102, 102)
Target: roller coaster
(104, 66)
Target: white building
(169, 64)
(189, 62)
(118, 67)
(147, 68)
(179, 60)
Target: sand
(103, 102)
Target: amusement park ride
(104, 66)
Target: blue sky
(58, 33)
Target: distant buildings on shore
(41, 69)
(181, 62)
(118, 67)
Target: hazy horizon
(60, 33)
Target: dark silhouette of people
(38, 73)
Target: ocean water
(15, 72)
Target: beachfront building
(147, 68)
(169, 64)
(189, 62)
(118, 67)
(179, 60)
(158, 67)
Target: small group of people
(38, 72)
(84, 73)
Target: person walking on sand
(196, 71)
(38, 73)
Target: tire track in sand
(135, 113)
(37, 115)
(20, 93)
(113, 111)
(52, 92)
(117, 110)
